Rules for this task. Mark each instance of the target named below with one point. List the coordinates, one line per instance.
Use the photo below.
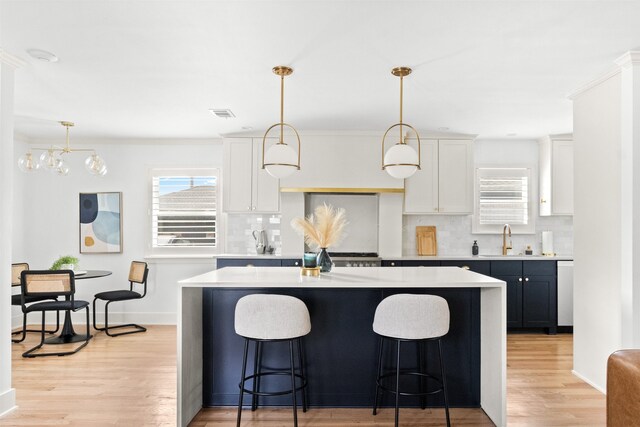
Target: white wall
(47, 221)
(597, 229)
(7, 394)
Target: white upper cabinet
(444, 185)
(556, 176)
(246, 186)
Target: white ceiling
(152, 69)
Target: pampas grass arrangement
(323, 228)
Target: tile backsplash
(453, 233)
(240, 228)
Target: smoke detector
(42, 55)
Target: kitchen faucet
(506, 248)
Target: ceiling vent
(223, 113)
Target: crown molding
(629, 59)
(593, 83)
(12, 60)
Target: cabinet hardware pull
(526, 279)
(250, 265)
(519, 279)
(296, 263)
(465, 267)
(393, 264)
(543, 201)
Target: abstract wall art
(100, 223)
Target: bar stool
(262, 318)
(411, 318)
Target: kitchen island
(341, 348)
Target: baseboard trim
(7, 402)
(586, 380)
(115, 318)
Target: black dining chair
(51, 284)
(16, 299)
(138, 272)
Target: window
(184, 209)
(503, 196)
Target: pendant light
(401, 161)
(280, 160)
(52, 161)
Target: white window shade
(184, 209)
(503, 196)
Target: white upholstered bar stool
(262, 318)
(411, 318)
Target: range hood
(346, 190)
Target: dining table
(68, 335)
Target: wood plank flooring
(131, 381)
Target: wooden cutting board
(426, 240)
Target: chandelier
(280, 160)
(401, 161)
(52, 158)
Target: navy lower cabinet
(531, 293)
(248, 262)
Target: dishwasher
(565, 293)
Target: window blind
(504, 199)
(184, 211)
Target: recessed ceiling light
(223, 113)
(443, 128)
(247, 127)
(42, 55)
(512, 134)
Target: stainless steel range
(355, 259)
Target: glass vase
(324, 261)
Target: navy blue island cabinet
(341, 350)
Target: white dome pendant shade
(401, 161)
(281, 160)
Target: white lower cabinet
(444, 185)
(246, 186)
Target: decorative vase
(324, 261)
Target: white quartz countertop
(479, 258)
(343, 277)
(422, 257)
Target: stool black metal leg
(293, 385)
(256, 362)
(304, 378)
(398, 384)
(244, 372)
(422, 369)
(444, 383)
(375, 401)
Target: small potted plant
(66, 262)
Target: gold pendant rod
(281, 108)
(401, 93)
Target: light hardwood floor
(130, 381)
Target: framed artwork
(100, 223)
